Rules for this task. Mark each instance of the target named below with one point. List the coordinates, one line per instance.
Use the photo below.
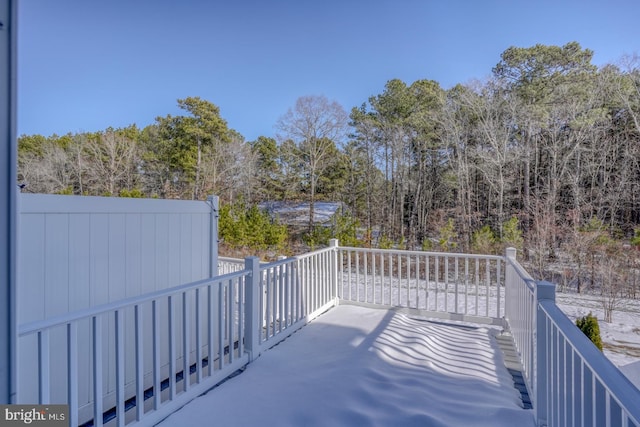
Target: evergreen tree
(589, 326)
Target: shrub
(318, 237)
(589, 326)
(512, 235)
(448, 236)
(345, 229)
(384, 242)
(135, 193)
(250, 228)
(483, 241)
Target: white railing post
(333, 243)
(510, 253)
(253, 317)
(213, 236)
(544, 291)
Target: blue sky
(85, 65)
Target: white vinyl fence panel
(79, 252)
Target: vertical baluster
(325, 281)
(399, 279)
(263, 302)
(427, 274)
(339, 271)
(477, 283)
(328, 276)
(324, 275)
(487, 281)
(322, 282)
(278, 301)
(157, 375)
(240, 307)
(281, 314)
(269, 302)
(584, 395)
(198, 339)
(571, 383)
(303, 286)
(172, 347)
(390, 276)
(221, 322)
(302, 293)
(120, 362)
(230, 320)
(304, 265)
(366, 277)
(308, 268)
(498, 283)
(210, 328)
(456, 278)
(382, 277)
(446, 283)
(287, 295)
(44, 370)
(72, 370)
(437, 281)
(408, 260)
(186, 343)
(274, 301)
(313, 273)
(357, 276)
(350, 279)
(96, 325)
(417, 267)
(374, 274)
(139, 336)
(466, 285)
(295, 293)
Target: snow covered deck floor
(356, 366)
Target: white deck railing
(197, 339)
(229, 265)
(241, 314)
(293, 292)
(461, 286)
(571, 383)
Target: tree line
(545, 152)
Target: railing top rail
(277, 263)
(265, 266)
(618, 385)
(310, 254)
(524, 275)
(231, 259)
(409, 252)
(37, 325)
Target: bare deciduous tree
(316, 125)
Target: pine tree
(589, 326)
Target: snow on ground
(355, 366)
(632, 371)
(621, 337)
